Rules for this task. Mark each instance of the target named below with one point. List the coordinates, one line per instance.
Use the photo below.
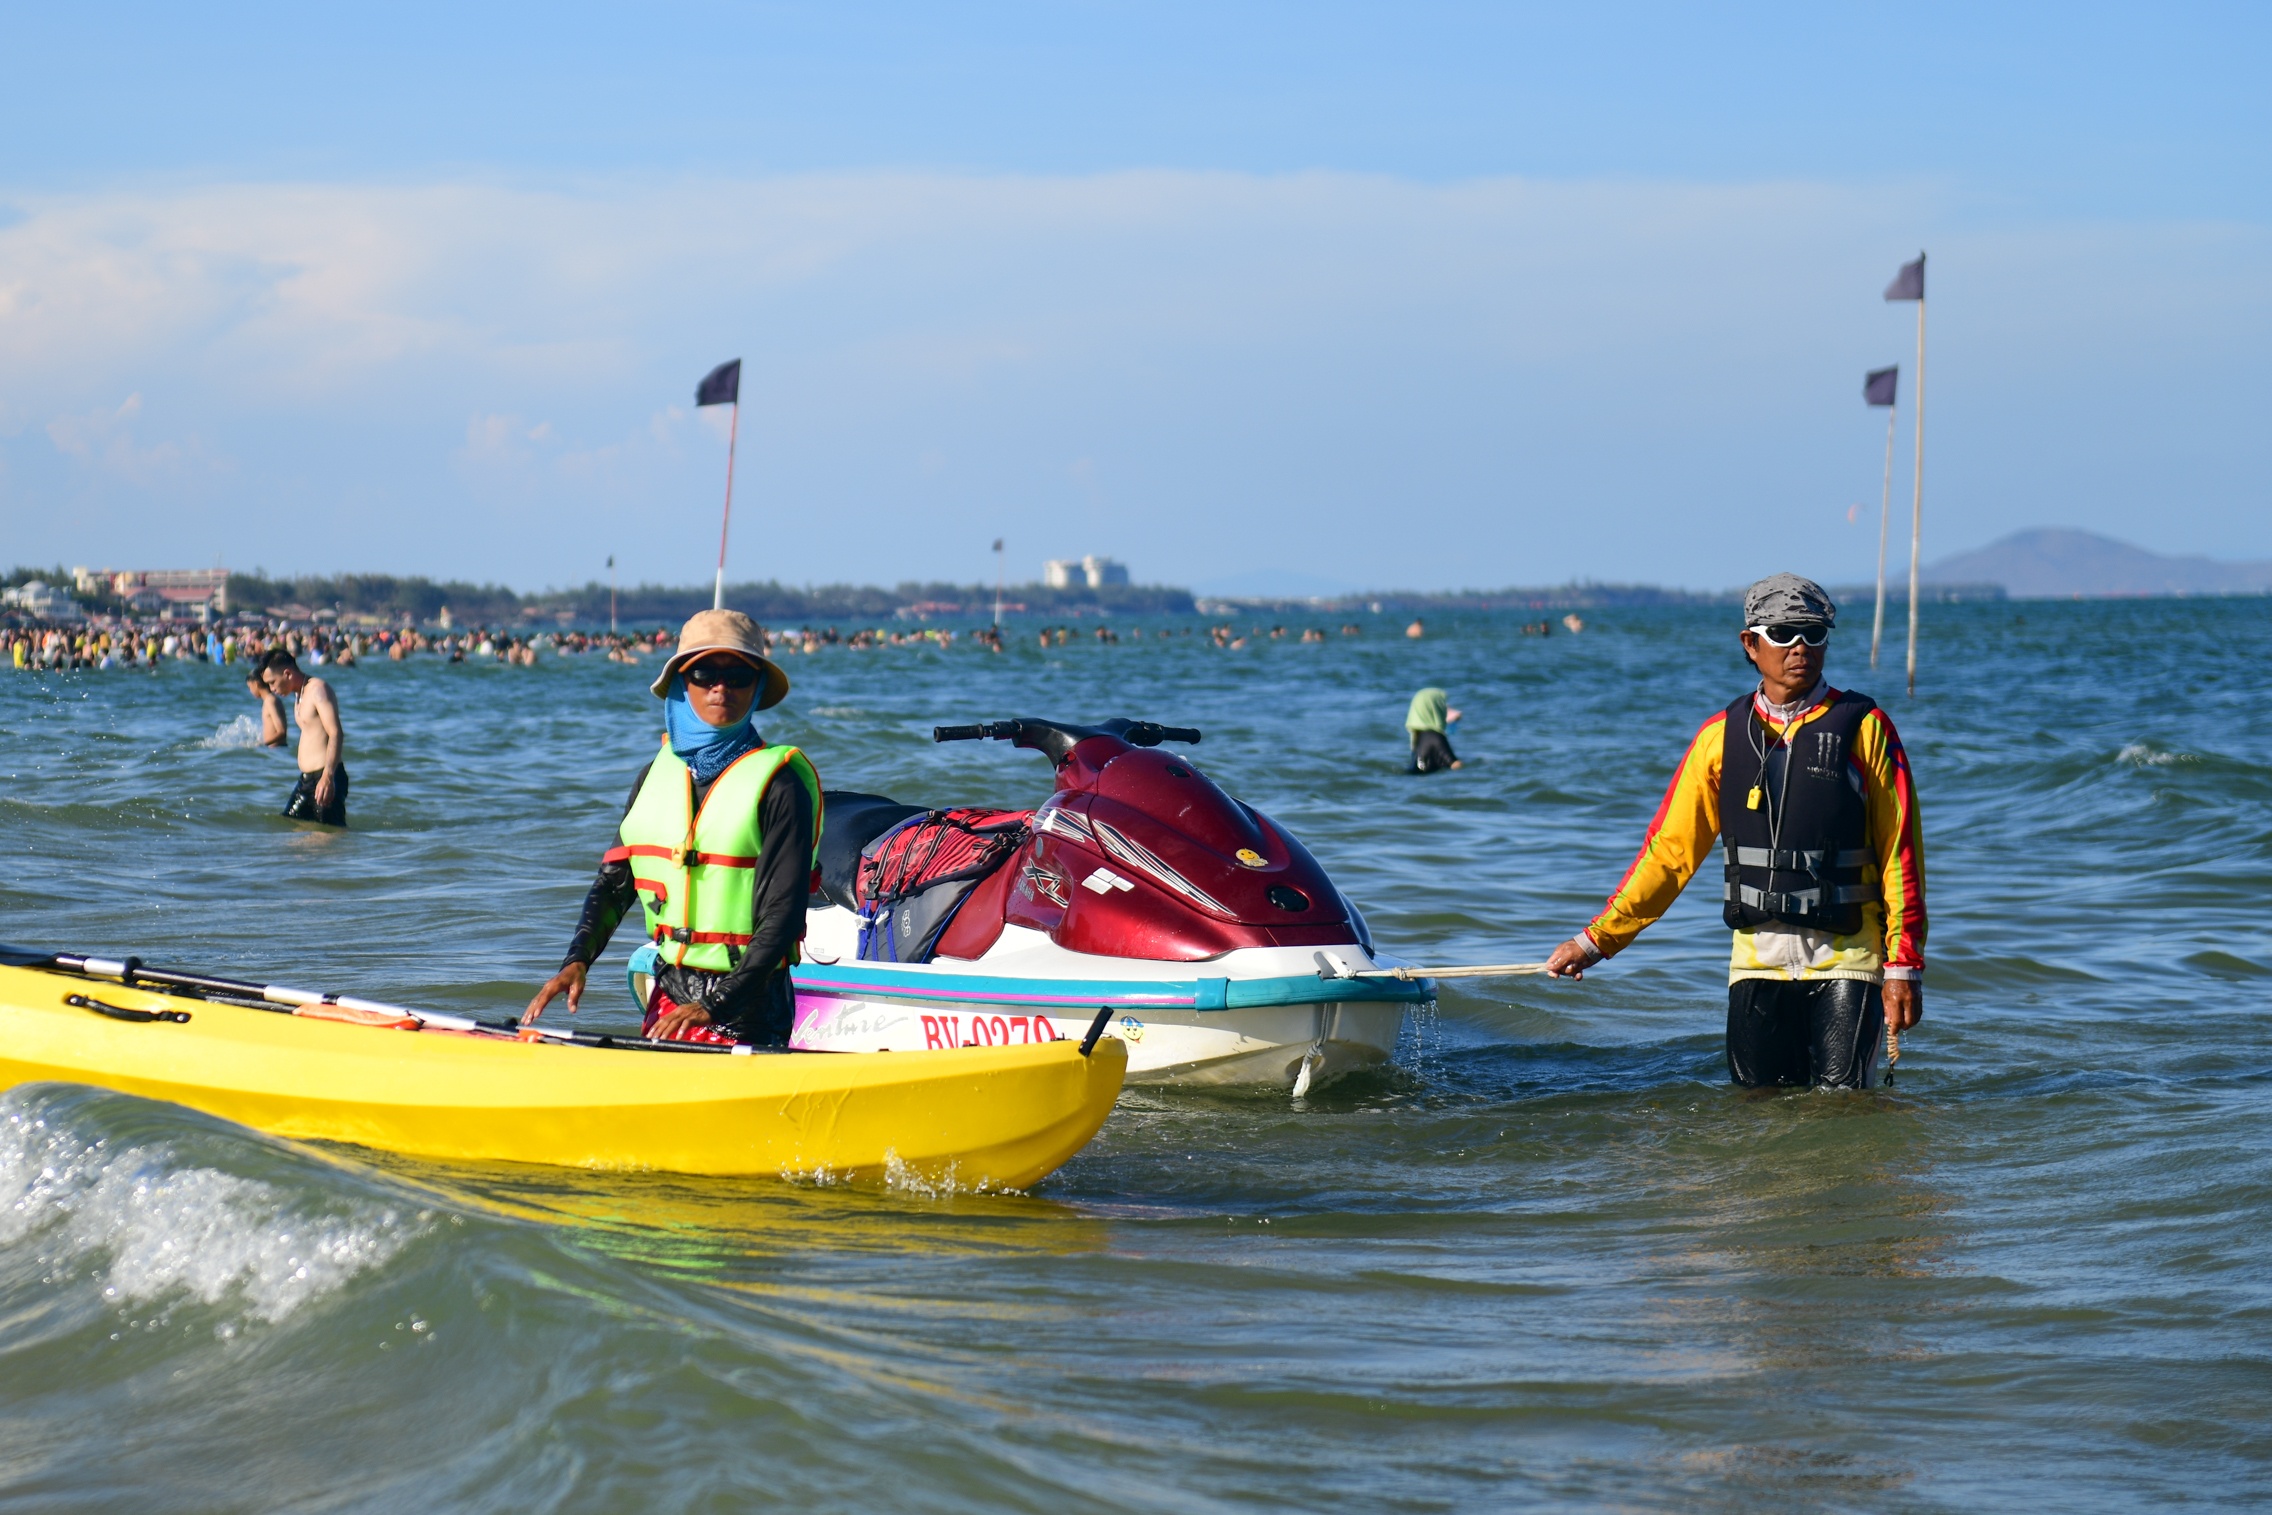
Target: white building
(1096, 572)
(42, 600)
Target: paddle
(135, 974)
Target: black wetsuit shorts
(1431, 752)
(302, 806)
(1820, 1033)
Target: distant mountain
(2055, 563)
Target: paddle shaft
(132, 972)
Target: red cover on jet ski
(937, 847)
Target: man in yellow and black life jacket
(1808, 791)
(716, 847)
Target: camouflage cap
(1785, 599)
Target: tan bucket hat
(726, 631)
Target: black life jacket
(1799, 862)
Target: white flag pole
(733, 434)
(1885, 512)
(1917, 482)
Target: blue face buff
(705, 748)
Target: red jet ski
(1222, 949)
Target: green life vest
(696, 872)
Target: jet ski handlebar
(1056, 738)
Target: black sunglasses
(1784, 636)
(730, 675)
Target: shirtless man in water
(321, 794)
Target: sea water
(1550, 1258)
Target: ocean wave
(2147, 755)
(243, 732)
(152, 1228)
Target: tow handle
(123, 1013)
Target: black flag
(1909, 284)
(997, 544)
(723, 385)
(1878, 386)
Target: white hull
(1029, 989)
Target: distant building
(42, 600)
(160, 588)
(1095, 572)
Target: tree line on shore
(392, 597)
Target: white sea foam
(244, 731)
(157, 1233)
(2146, 755)
(903, 1177)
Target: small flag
(611, 560)
(997, 544)
(1909, 284)
(723, 385)
(1878, 385)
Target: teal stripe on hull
(1192, 994)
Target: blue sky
(1391, 295)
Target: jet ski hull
(1254, 1017)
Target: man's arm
(606, 903)
(318, 706)
(1679, 839)
(271, 712)
(1897, 837)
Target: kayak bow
(971, 1117)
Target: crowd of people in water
(123, 643)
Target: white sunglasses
(1784, 636)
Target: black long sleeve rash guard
(754, 999)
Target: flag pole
(611, 594)
(1885, 513)
(1917, 477)
(733, 435)
(997, 581)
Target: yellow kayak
(970, 1118)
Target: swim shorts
(1814, 1033)
(1431, 752)
(302, 806)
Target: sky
(1391, 296)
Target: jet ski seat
(852, 821)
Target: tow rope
(1483, 970)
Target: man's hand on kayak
(1904, 1003)
(569, 981)
(677, 1021)
(1572, 958)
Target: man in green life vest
(716, 847)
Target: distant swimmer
(321, 794)
(717, 845)
(1427, 723)
(1809, 793)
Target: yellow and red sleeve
(1897, 836)
(1679, 841)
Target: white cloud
(1532, 379)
